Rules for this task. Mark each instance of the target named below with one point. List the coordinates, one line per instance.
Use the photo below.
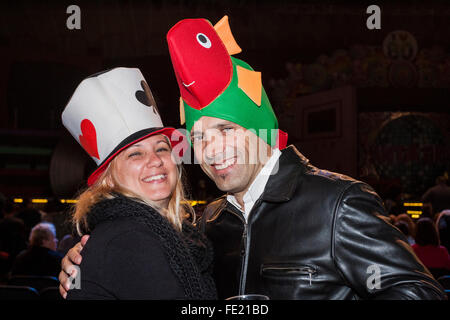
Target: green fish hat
(235, 106)
(214, 84)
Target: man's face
(229, 154)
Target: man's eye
(162, 149)
(227, 129)
(197, 138)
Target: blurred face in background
(44, 235)
(148, 169)
(51, 243)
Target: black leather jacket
(314, 234)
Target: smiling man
(284, 229)
(229, 154)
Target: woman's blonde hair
(107, 184)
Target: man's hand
(69, 272)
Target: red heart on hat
(88, 138)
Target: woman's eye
(227, 130)
(134, 154)
(162, 149)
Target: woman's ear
(109, 181)
(110, 178)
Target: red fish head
(201, 62)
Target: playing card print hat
(111, 110)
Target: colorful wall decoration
(398, 62)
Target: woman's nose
(154, 160)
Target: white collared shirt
(258, 185)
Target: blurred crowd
(33, 239)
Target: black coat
(134, 253)
(37, 261)
(314, 234)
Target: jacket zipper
(244, 261)
(246, 243)
(300, 270)
(243, 251)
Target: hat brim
(175, 137)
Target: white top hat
(111, 110)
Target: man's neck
(239, 196)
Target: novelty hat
(111, 110)
(214, 84)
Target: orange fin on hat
(250, 82)
(182, 117)
(223, 30)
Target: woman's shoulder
(120, 239)
(127, 259)
(123, 227)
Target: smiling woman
(148, 168)
(145, 171)
(141, 244)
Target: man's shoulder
(215, 205)
(330, 177)
(211, 210)
(217, 202)
(312, 174)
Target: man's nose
(214, 148)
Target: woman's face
(148, 169)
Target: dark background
(42, 62)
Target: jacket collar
(282, 184)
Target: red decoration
(200, 78)
(88, 138)
(282, 140)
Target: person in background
(428, 249)
(29, 215)
(411, 224)
(443, 225)
(67, 242)
(13, 238)
(404, 228)
(41, 258)
(438, 196)
(55, 212)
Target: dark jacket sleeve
(90, 290)
(132, 265)
(373, 257)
